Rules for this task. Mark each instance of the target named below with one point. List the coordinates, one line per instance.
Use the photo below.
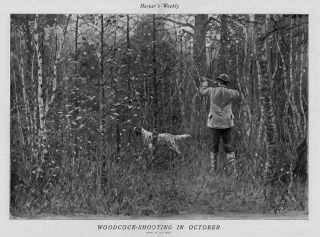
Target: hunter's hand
(203, 79)
(205, 83)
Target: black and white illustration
(159, 116)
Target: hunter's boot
(213, 161)
(231, 158)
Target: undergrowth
(133, 184)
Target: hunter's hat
(224, 77)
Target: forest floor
(292, 215)
(167, 191)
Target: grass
(135, 187)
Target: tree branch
(188, 32)
(187, 24)
(212, 19)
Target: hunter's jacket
(220, 115)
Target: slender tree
(223, 57)
(41, 91)
(99, 155)
(199, 45)
(154, 66)
(268, 114)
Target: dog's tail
(181, 137)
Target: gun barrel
(211, 80)
(207, 79)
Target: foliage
(98, 87)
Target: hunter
(220, 118)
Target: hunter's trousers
(225, 134)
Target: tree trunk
(266, 100)
(223, 57)
(250, 82)
(76, 41)
(19, 121)
(129, 58)
(50, 100)
(116, 70)
(41, 106)
(35, 110)
(254, 83)
(25, 97)
(199, 45)
(297, 116)
(291, 98)
(254, 93)
(155, 82)
(179, 82)
(302, 71)
(30, 78)
(72, 127)
(99, 155)
(200, 63)
(245, 111)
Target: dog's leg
(153, 150)
(176, 150)
(150, 147)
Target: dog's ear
(137, 130)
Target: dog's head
(138, 131)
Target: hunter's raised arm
(235, 94)
(204, 88)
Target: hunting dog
(153, 140)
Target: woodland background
(81, 83)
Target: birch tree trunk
(296, 88)
(155, 82)
(290, 98)
(116, 70)
(30, 79)
(179, 83)
(20, 63)
(129, 57)
(35, 111)
(245, 111)
(42, 133)
(19, 59)
(251, 83)
(51, 98)
(76, 41)
(254, 84)
(73, 144)
(266, 100)
(99, 155)
(19, 121)
(302, 71)
(21, 66)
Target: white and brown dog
(154, 140)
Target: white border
(237, 228)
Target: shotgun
(206, 79)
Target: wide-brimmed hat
(224, 77)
